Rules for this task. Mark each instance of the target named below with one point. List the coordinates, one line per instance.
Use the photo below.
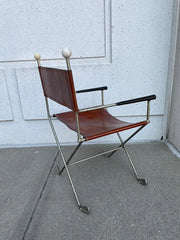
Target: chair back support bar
(58, 85)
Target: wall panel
(47, 27)
(123, 44)
(5, 106)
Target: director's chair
(88, 123)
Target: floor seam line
(39, 198)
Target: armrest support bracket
(92, 89)
(142, 99)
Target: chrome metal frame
(69, 159)
(102, 97)
(128, 139)
(83, 208)
(148, 110)
(67, 163)
(140, 180)
(97, 107)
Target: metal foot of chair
(84, 209)
(142, 181)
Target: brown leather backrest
(58, 85)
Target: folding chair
(88, 123)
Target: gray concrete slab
(120, 207)
(22, 175)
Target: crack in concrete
(38, 199)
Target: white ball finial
(37, 56)
(66, 52)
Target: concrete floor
(37, 204)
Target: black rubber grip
(92, 89)
(141, 99)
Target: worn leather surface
(58, 86)
(96, 123)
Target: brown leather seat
(58, 85)
(96, 123)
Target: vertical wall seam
(172, 58)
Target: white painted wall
(174, 127)
(123, 44)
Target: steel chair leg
(140, 180)
(59, 171)
(82, 208)
(123, 143)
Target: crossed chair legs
(83, 208)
